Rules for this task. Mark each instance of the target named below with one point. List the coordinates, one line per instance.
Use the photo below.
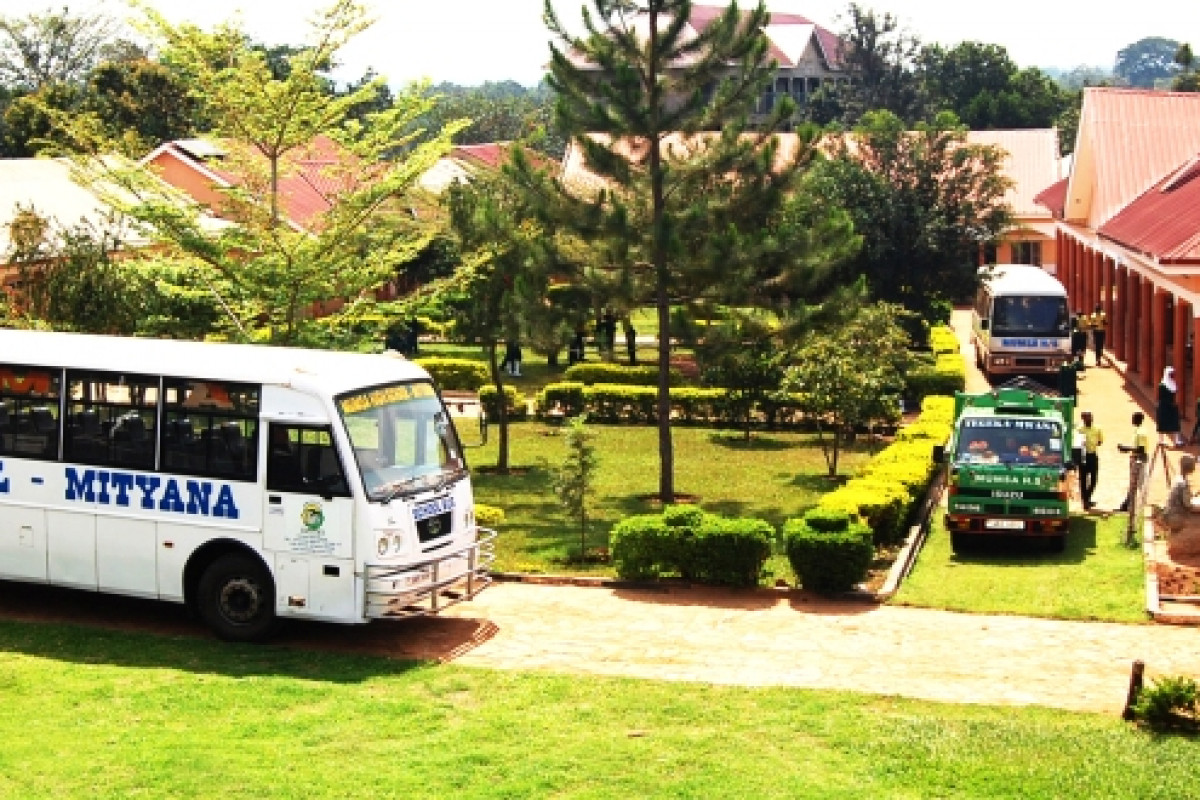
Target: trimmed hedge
(488, 516)
(618, 373)
(691, 544)
(455, 374)
(518, 409)
(828, 550)
(947, 375)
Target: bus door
(309, 522)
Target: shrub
(643, 547)
(1170, 702)
(618, 373)
(456, 374)
(945, 376)
(828, 561)
(943, 339)
(517, 409)
(692, 544)
(567, 396)
(488, 516)
(883, 505)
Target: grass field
(100, 714)
(1096, 577)
(773, 476)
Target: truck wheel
(236, 598)
(1056, 544)
(961, 542)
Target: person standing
(1079, 338)
(512, 358)
(1089, 471)
(1098, 324)
(1137, 454)
(1166, 414)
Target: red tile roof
(1128, 139)
(1054, 198)
(1164, 222)
(309, 182)
(1032, 163)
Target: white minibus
(252, 483)
(1021, 323)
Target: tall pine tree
(696, 207)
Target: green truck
(1008, 462)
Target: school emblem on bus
(312, 516)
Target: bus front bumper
(427, 587)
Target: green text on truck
(1008, 462)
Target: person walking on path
(1166, 414)
(1137, 455)
(1089, 471)
(1098, 323)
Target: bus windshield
(1011, 440)
(1031, 315)
(403, 440)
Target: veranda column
(1108, 272)
(1158, 334)
(1179, 350)
(1133, 312)
(1116, 320)
(1146, 295)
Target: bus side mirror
(939, 454)
(984, 324)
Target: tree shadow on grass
(736, 440)
(84, 627)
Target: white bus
(1021, 323)
(252, 483)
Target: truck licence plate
(1005, 524)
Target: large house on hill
(808, 56)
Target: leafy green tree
(500, 112)
(141, 103)
(70, 279)
(51, 47)
(924, 201)
(275, 272)
(881, 58)
(685, 213)
(1188, 79)
(575, 480)
(507, 262)
(985, 89)
(1147, 61)
(852, 375)
(29, 119)
(742, 357)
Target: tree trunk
(502, 408)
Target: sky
(472, 41)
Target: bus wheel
(237, 599)
(961, 542)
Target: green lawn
(100, 714)
(774, 476)
(1097, 577)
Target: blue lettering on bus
(3, 482)
(1038, 343)
(106, 487)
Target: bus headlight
(382, 547)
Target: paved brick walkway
(764, 639)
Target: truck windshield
(403, 440)
(1000, 440)
(1030, 316)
